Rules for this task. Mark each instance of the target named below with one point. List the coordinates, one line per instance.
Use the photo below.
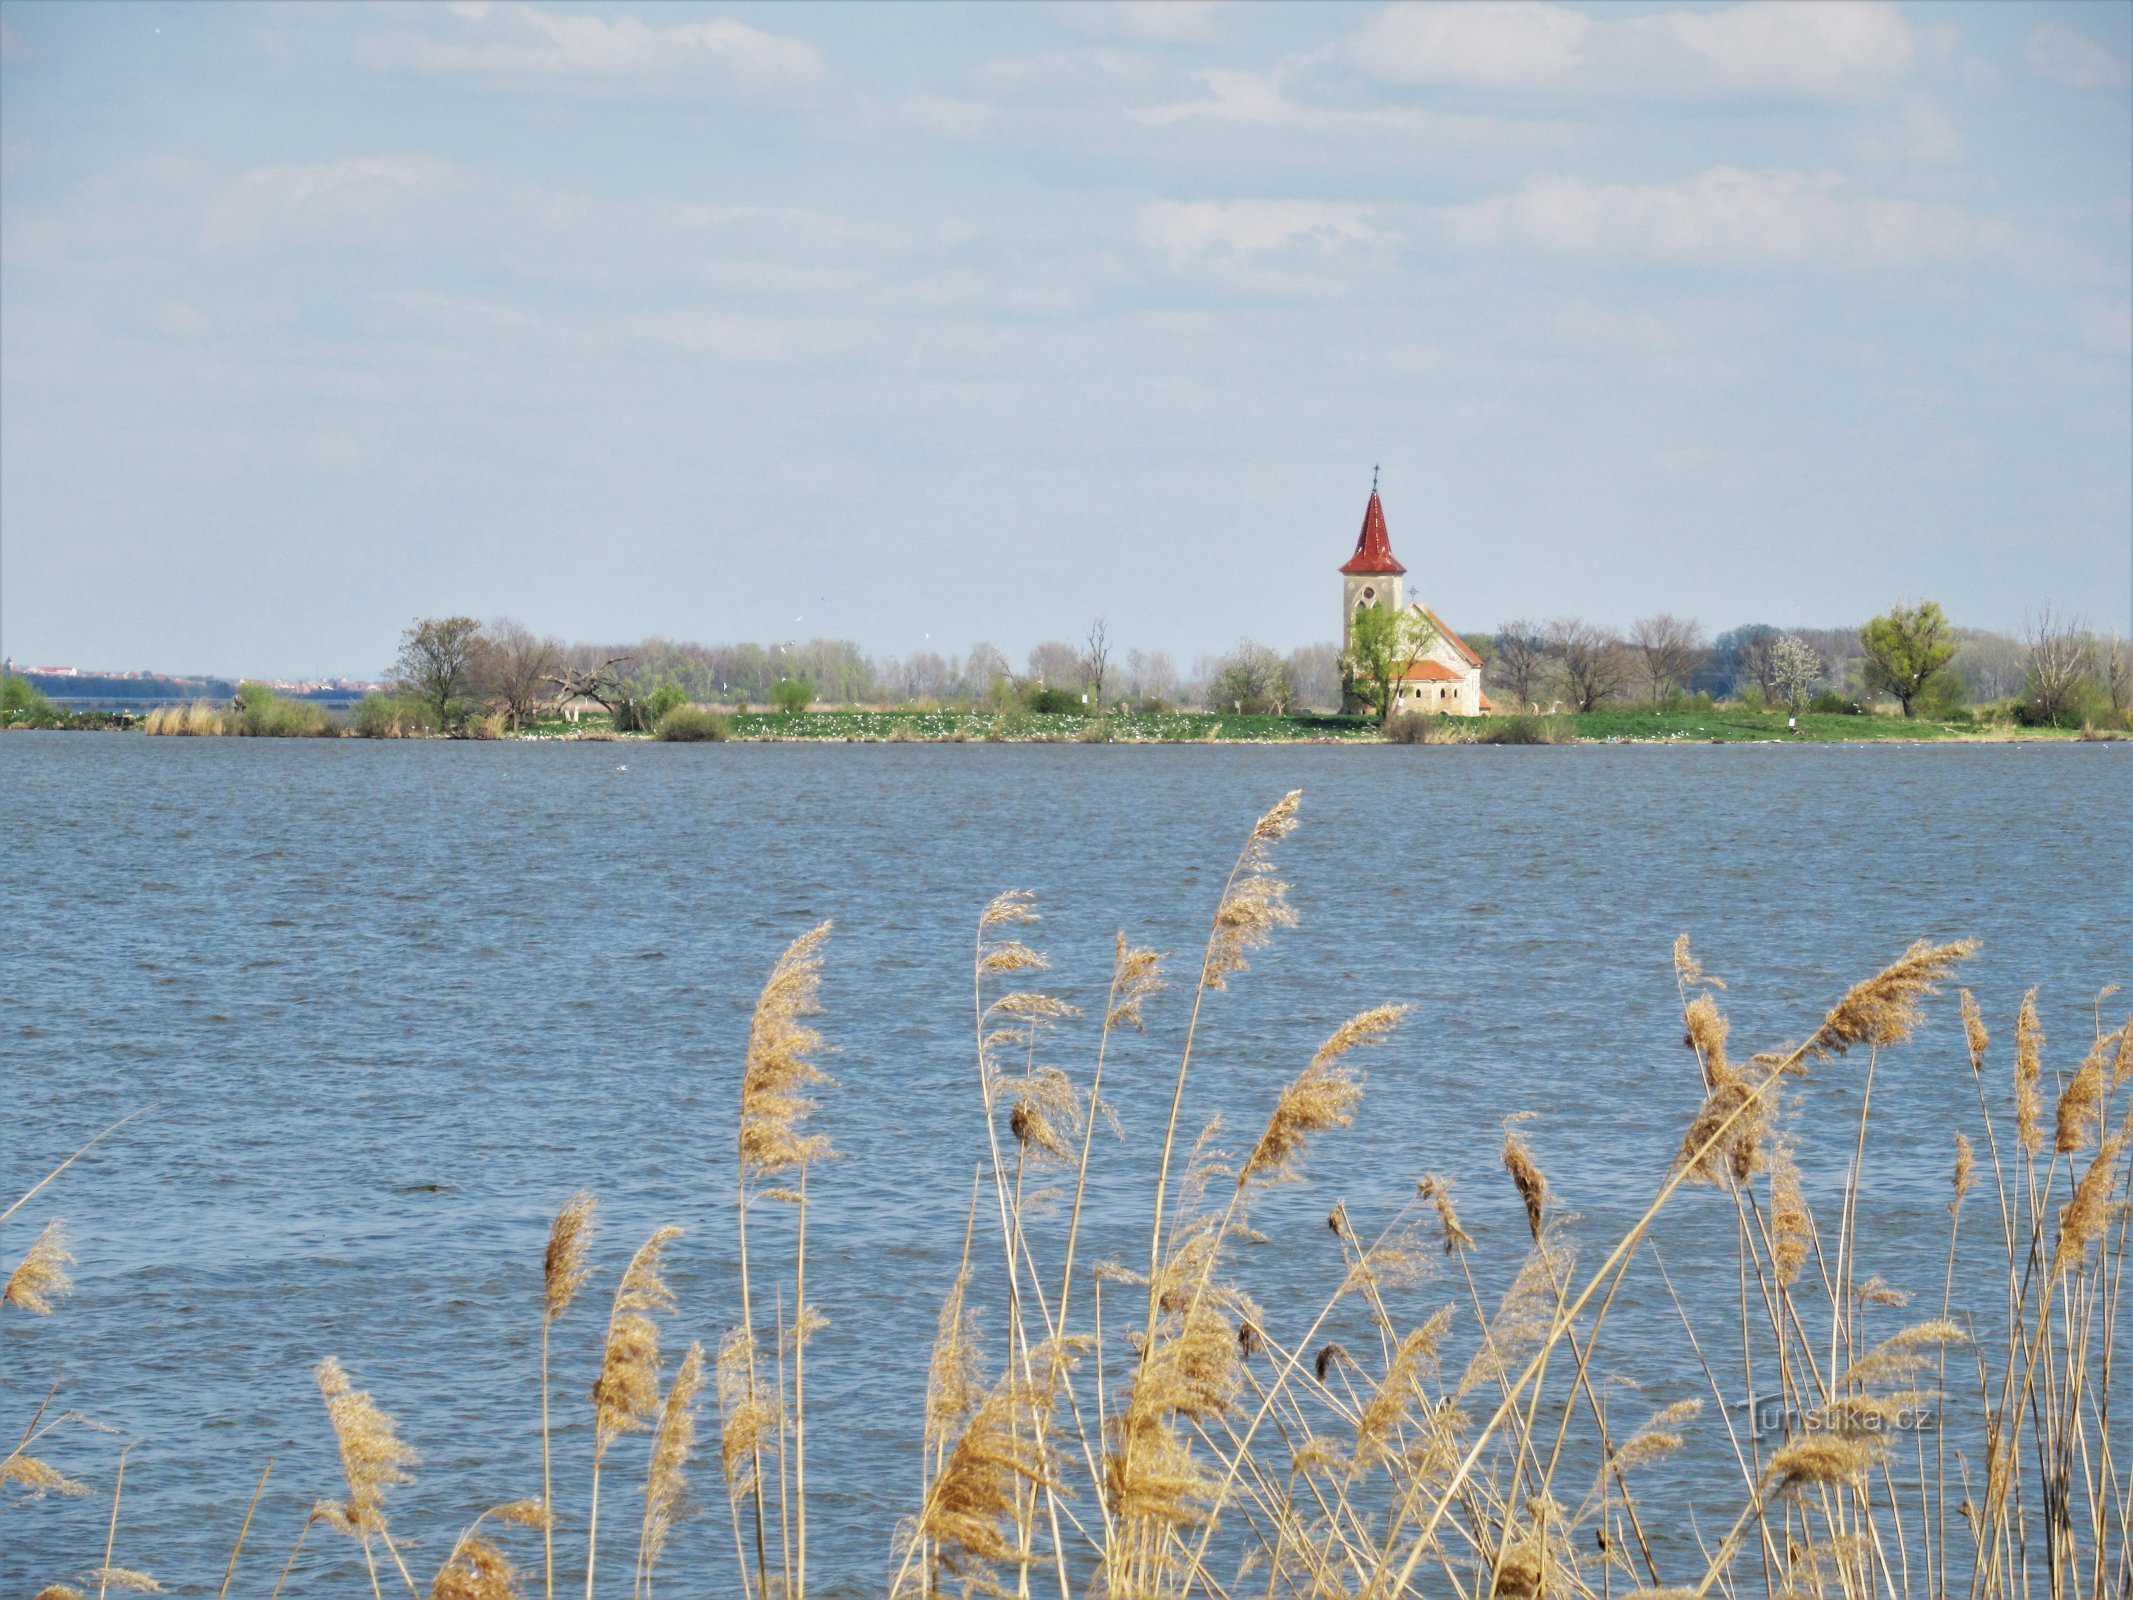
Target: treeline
(1910, 659)
(460, 676)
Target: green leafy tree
(1383, 646)
(20, 697)
(1906, 649)
(436, 665)
(792, 694)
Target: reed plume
(38, 1478)
(1137, 978)
(373, 1458)
(1044, 1113)
(780, 1068)
(626, 1393)
(2083, 1219)
(476, 1570)
(1438, 1192)
(1884, 1009)
(1414, 1358)
(1526, 1176)
(666, 1488)
(954, 1378)
(1321, 1097)
(2078, 1118)
(1965, 1175)
(565, 1267)
(1688, 970)
(1707, 1028)
(2028, 1070)
(972, 1513)
(625, 1396)
(40, 1278)
(748, 1417)
(1975, 1038)
(1256, 903)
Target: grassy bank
(1443, 1411)
(379, 717)
(1720, 726)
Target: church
(1446, 679)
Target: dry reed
(1357, 1447)
(40, 1278)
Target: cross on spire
(1373, 479)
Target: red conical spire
(1373, 546)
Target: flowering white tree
(1795, 669)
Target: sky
(920, 325)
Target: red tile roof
(1465, 650)
(1433, 672)
(1373, 548)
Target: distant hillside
(134, 694)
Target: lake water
(383, 1006)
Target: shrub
(488, 726)
(693, 725)
(791, 695)
(387, 716)
(1829, 703)
(259, 712)
(1420, 727)
(1097, 730)
(22, 701)
(1522, 730)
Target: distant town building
(1446, 677)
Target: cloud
(1150, 21)
(1261, 99)
(378, 200)
(1812, 48)
(1064, 71)
(514, 39)
(1194, 229)
(1725, 216)
(2073, 59)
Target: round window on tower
(1370, 594)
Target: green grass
(1733, 726)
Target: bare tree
(600, 681)
(1095, 659)
(1758, 660)
(986, 673)
(2117, 676)
(1521, 664)
(2062, 664)
(1056, 665)
(1672, 648)
(1595, 662)
(514, 665)
(436, 664)
(1315, 673)
(1150, 676)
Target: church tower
(1370, 577)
